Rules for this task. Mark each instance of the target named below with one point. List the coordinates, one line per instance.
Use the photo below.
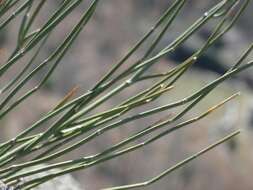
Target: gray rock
(3, 186)
(66, 182)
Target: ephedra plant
(73, 122)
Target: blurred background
(116, 26)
